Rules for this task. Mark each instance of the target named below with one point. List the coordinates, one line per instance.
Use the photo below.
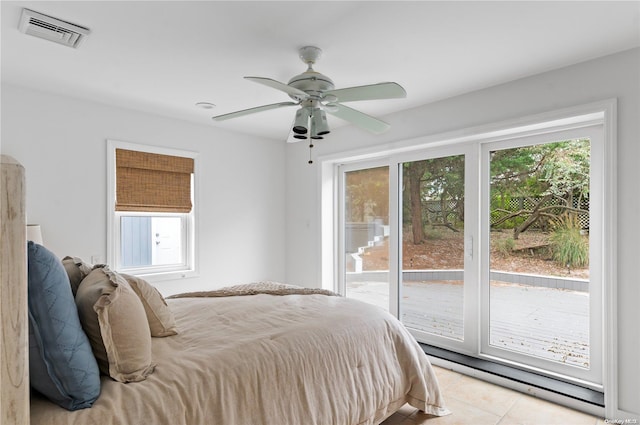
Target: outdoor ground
(443, 249)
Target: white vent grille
(52, 29)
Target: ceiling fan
(315, 94)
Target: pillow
(76, 270)
(113, 317)
(159, 315)
(61, 363)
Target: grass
(570, 248)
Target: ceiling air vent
(52, 29)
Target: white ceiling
(162, 57)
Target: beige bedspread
(269, 360)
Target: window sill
(164, 276)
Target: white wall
(615, 76)
(62, 144)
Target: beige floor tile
(483, 395)
(462, 414)
(509, 421)
(446, 377)
(532, 411)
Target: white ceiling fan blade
(292, 91)
(252, 111)
(369, 92)
(362, 120)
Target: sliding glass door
(542, 286)
(366, 234)
(491, 249)
(437, 285)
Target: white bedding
(266, 360)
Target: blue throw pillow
(61, 364)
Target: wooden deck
(544, 322)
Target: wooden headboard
(14, 342)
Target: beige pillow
(159, 315)
(76, 270)
(114, 319)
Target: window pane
(433, 246)
(539, 251)
(367, 235)
(151, 241)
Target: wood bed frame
(14, 343)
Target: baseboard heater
(557, 386)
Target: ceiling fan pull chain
(310, 147)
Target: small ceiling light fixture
(205, 105)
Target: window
(153, 209)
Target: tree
(554, 171)
(414, 171)
(438, 180)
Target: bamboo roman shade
(150, 182)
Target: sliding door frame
(604, 111)
(469, 344)
(591, 377)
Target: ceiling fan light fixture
(301, 123)
(319, 125)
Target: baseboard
(554, 390)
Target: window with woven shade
(151, 182)
(152, 200)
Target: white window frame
(188, 268)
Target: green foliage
(558, 168)
(433, 233)
(558, 171)
(567, 169)
(512, 223)
(505, 246)
(569, 247)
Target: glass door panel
(366, 235)
(540, 291)
(433, 239)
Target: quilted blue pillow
(61, 364)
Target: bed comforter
(268, 359)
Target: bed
(266, 353)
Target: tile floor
(477, 402)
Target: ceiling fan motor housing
(311, 82)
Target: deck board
(544, 322)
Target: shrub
(570, 248)
(505, 246)
(431, 232)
